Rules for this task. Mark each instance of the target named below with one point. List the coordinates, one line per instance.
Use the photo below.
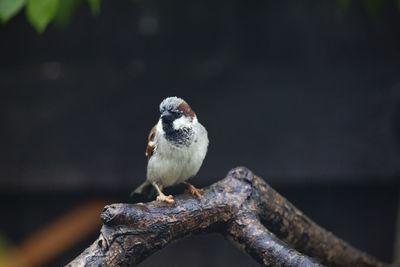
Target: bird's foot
(164, 198)
(193, 190)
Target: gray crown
(170, 103)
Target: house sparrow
(176, 148)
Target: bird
(176, 148)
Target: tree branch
(241, 207)
(252, 237)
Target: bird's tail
(140, 189)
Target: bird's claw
(193, 190)
(164, 198)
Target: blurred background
(304, 93)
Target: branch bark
(242, 207)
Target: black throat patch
(179, 138)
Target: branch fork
(242, 207)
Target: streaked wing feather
(150, 143)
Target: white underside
(171, 165)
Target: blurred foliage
(373, 7)
(8, 8)
(65, 10)
(5, 248)
(344, 5)
(41, 12)
(95, 6)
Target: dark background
(305, 95)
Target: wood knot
(102, 243)
(109, 213)
(241, 173)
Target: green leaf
(94, 6)
(65, 10)
(8, 8)
(41, 12)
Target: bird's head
(176, 114)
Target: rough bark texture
(242, 207)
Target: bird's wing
(151, 144)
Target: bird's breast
(171, 164)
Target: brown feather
(186, 109)
(150, 143)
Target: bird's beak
(167, 116)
